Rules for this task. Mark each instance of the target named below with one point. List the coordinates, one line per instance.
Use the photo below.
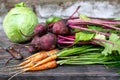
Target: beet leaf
(83, 36)
(112, 48)
(84, 17)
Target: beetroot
(48, 41)
(35, 40)
(60, 28)
(40, 29)
(45, 42)
(32, 47)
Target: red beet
(45, 42)
(32, 47)
(48, 41)
(40, 29)
(60, 28)
(35, 40)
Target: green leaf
(52, 19)
(83, 36)
(84, 17)
(117, 19)
(22, 4)
(93, 27)
(114, 47)
(99, 36)
(75, 30)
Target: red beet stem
(72, 42)
(74, 12)
(105, 20)
(67, 38)
(88, 22)
(90, 30)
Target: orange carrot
(46, 52)
(38, 53)
(38, 56)
(25, 62)
(38, 61)
(41, 54)
(32, 60)
(45, 60)
(50, 58)
(48, 65)
(31, 64)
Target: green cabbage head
(19, 20)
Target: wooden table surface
(64, 72)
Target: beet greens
(80, 30)
(77, 31)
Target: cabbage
(19, 20)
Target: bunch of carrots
(38, 61)
(43, 60)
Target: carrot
(38, 56)
(34, 63)
(46, 52)
(31, 60)
(28, 65)
(50, 58)
(38, 53)
(23, 63)
(48, 65)
(38, 63)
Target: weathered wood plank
(68, 73)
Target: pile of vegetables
(73, 40)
